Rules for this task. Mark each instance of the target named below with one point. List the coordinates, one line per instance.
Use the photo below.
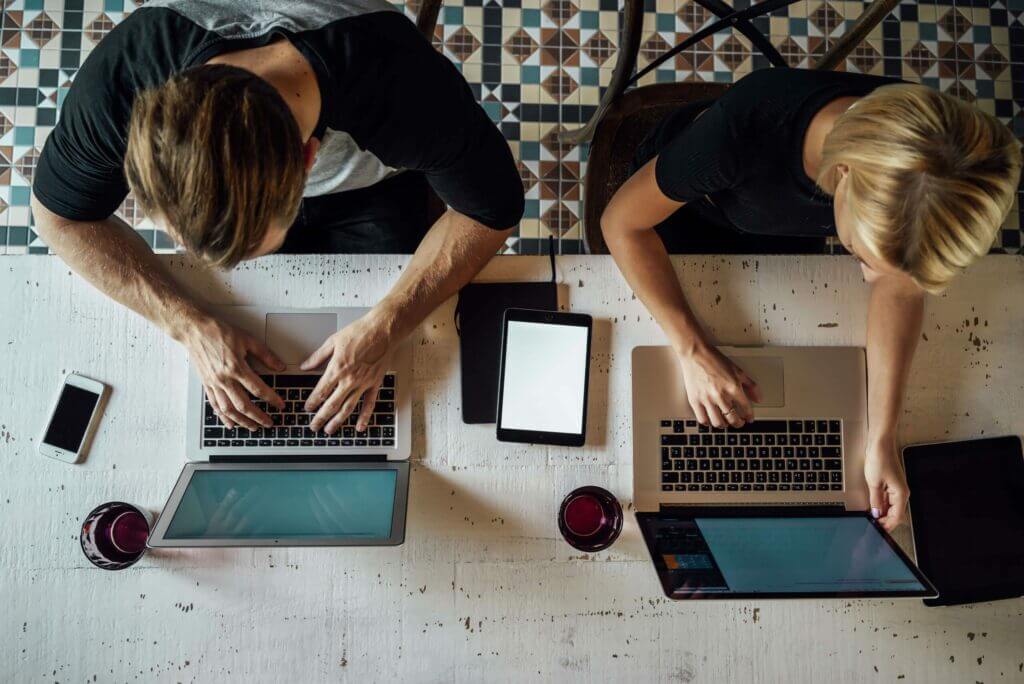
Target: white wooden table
(483, 589)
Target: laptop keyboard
(291, 425)
(762, 456)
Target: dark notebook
(479, 315)
(967, 500)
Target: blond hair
(216, 153)
(931, 179)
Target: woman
(914, 183)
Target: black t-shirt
(745, 151)
(390, 103)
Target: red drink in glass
(114, 535)
(590, 519)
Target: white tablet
(545, 370)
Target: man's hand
(887, 484)
(220, 354)
(718, 390)
(356, 359)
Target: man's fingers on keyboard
(256, 416)
(220, 404)
(244, 410)
(328, 410)
(223, 417)
(339, 418)
(228, 411)
(241, 420)
(348, 407)
(325, 387)
(258, 388)
(369, 401)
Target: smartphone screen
(71, 418)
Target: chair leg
(629, 47)
(873, 14)
(426, 18)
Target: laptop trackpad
(294, 336)
(767, 373)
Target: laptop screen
(285, 504)
(778, 556)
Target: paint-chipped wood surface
(483, 588)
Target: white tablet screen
(545, 374)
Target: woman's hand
(718, 390)
(887, 483)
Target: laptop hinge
(304, 458)
(757, 509)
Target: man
(326, 125)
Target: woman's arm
(716, 388)
(895, 314)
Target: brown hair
(216, 153)
(931, 178)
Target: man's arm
(895, 315)
(469, 166)
(119, 263)
(452, 252)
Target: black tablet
(545, 370)
(967, 503)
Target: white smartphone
(73, 421)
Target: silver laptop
(806, 445)
(776, 508)
(287, 485)
(294, 334)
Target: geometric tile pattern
(538, 67)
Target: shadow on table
(206, 558)
(600, 369)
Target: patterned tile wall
(538, 67)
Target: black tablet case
(967, 502)
(479, 315)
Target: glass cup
(114, 535)
(590, 519)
